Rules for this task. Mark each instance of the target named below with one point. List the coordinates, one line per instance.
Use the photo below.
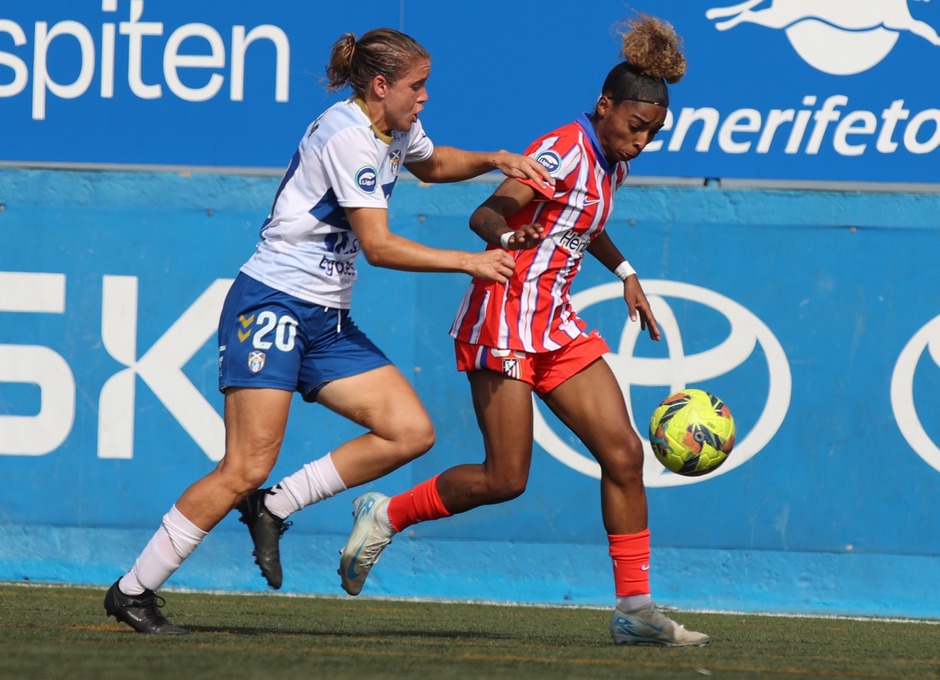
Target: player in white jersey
(286, 327)
(307, 247)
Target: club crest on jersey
(255, 361)
(511, 368)
(394, 162)
(367, 179)
(550, 160)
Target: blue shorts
(271, 339)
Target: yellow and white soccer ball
(692, 432)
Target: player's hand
(494, 264)
(522, 167)
(527, 237)
(639, 306)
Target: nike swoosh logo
(627, 626)
(351, 572)
(645, 567)
(592, 202)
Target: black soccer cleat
(140, 612)
(266, 531)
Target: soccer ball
(692, 432)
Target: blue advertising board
(806, 314)
(778, 90)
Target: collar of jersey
(584, 120)
(378, 133)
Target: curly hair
(653, 57)
(380, 52)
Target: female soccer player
(286, 325)
(519, 336)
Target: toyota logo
(927, 339)
(679, 370)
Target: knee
(253, 478)
(625, 466)
(423, 438)
(245, 480)
(506, 488)
(415, 438)
(245, 476)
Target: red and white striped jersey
(532, 312)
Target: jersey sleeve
(420, 146)
(350, 162)
(560, 156)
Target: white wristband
(624, 270)
(504, 239)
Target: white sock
(311, 484)
(629, 603)
(382, 516)
(174, 541)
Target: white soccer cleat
(649, 626)
(366, 542)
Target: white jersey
(307, 247)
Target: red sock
(418, 505)
(631, 557)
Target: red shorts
(543, 370)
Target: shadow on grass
(390, 633)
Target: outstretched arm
(607, 253)
(382, 248)
(449, 164)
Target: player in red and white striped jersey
(522, 336)
(533, 312)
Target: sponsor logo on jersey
(573, 241)
(550, 160)
(367, 179)
(255, 361)
(341, 243)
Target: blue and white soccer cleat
(649, 626)
(366, 542)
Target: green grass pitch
(62, 632)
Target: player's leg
(503, 408)
(399, 430)
(258, 383)
(591, 404)
(504, 413)
(255, 420)
(340, 368)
